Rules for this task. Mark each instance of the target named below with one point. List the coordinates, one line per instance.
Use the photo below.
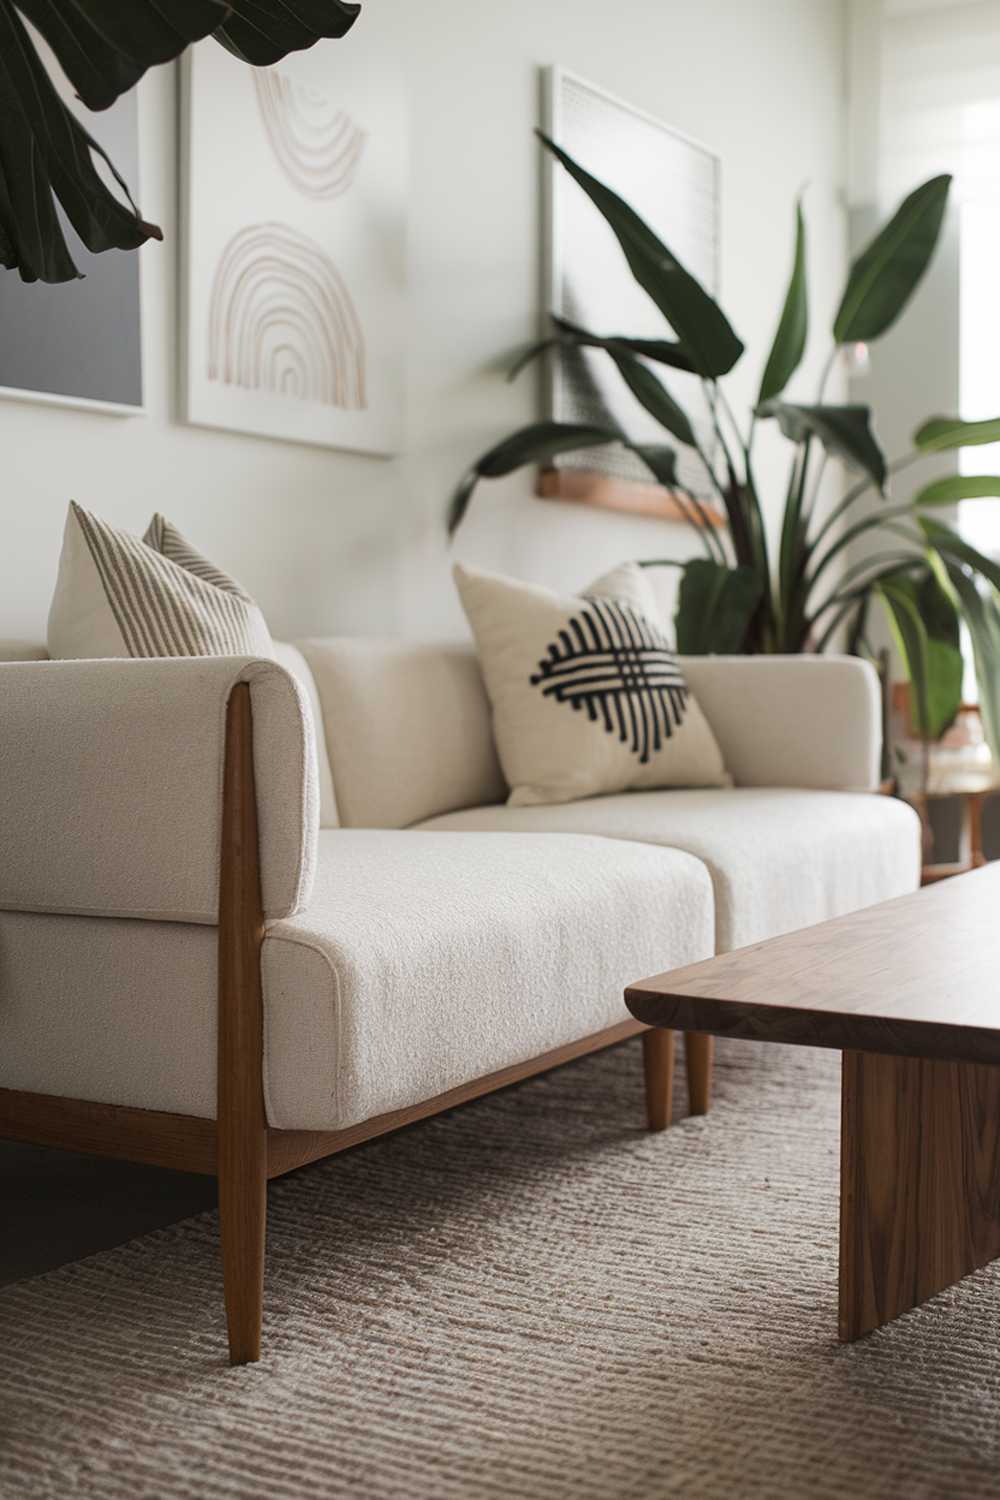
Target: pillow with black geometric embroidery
(119, 595)
(587, 696)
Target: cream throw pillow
(118, 596)
(587, 696)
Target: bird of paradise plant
(754, 593)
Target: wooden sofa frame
(239, 1148)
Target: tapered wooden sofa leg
(242, 1227)
(658, 1063)
(242, 1126)
(699, 1052)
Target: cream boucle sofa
(253, 912)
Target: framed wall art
(673, 182)
(294, 183)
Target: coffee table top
(916, 977)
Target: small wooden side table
(969, 783)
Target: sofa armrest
(111, 786)
(797, 721)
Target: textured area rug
(529, 1297)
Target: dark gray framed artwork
(673, 182)
(80, 343)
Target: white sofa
(416, 941)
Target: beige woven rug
(529, 1297)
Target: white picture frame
(674, 182)
(294, 196)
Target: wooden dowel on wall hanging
(625, 495)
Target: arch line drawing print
(282, 320)
(318, 146)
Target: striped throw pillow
(117, 595)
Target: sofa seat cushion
(426, 961)
(779, 859)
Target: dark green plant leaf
(844, 431)
(857, 635)
(715, 606)
(911, 639)
(44, 154)
(945, 667)
(654, 396)
(570, 335)
(535, 444)
(887, 273)
(980, 605)
(695, 317)
(793, 553)
(530, 353)
(105, 46)
(955, 549)
(660, 460)
(262, 32)
(662, 351)
(793, 326)
(929, 594)
(943, 433)
(956, 487)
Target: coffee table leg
(919, 1182)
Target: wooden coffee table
(909, 992)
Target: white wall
(334, 542)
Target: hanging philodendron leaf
(104, 47)
(695, 317)
(715, 605)
(45, 154)
(844, 431)
(262, 32)
(886, 274)
(793, 325)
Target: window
(979, 356)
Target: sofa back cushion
(408, 729)
(11, 650)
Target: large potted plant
(792, 593)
